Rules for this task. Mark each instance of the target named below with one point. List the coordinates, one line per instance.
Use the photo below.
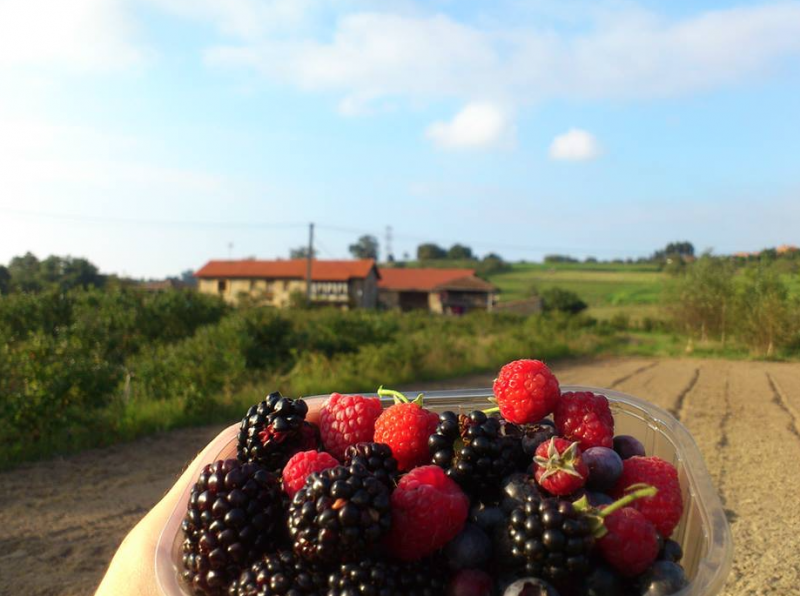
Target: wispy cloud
(476, 126)
(627, 53)
(621, 51)
(78, 35)
(245, 19)
(575, 145)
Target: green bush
(561, 300)
(51, 387)
(701, 299)
(765, 317)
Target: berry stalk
(596, 516)
(399, 398)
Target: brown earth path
(61, 520)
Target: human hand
(132, 570)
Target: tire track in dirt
(751, 453)
(724, 455)
(660, 385)
(780, 400)
(677, 409)
(617, 382)
(601, 372)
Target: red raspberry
(585, 417)
(526, 391)
(405, 428)
(345, 420)
(631, 544)
(428, 511)
(559, 467)
(665, 508)
(301, 465)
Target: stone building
(448, 291)
(344, 284)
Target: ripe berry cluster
(535, 495)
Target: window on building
(222, 286)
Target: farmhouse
(448, 291)
(345, 284)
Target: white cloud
(477, 126)
(575, 145)
(248, 19)
(76, 34)
(626, 53)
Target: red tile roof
(289, 269)
(424, 280)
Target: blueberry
(471, 549)
(534, 435)
(671, 551)
(515, 488)
(662, 579)
(596, 499)
(488, 518)
(530, 586)
(627, 446)
(603, 581)
(605, 467)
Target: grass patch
(597, 287)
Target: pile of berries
(533, 495)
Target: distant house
(345, 284)
(449, 291)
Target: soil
(63, 519)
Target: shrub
(558, 299)
(51, 386)
(701, 298)
(764, 314)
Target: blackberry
(377, 459)
(274, 430)
(339, 514)
(550, 538)
(234, 516)
(278, 574)
(380, 577)
(475, 451)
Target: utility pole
(309, 258)
(389, 255)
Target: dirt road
(61, 521)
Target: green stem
(646, 491)
(491, 410)
(398, 397)
(596, 517)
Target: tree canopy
(365, 248)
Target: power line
(153, 222)
(486, 244)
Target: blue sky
(147, 135)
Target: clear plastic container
(703, 531)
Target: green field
(607, 288)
